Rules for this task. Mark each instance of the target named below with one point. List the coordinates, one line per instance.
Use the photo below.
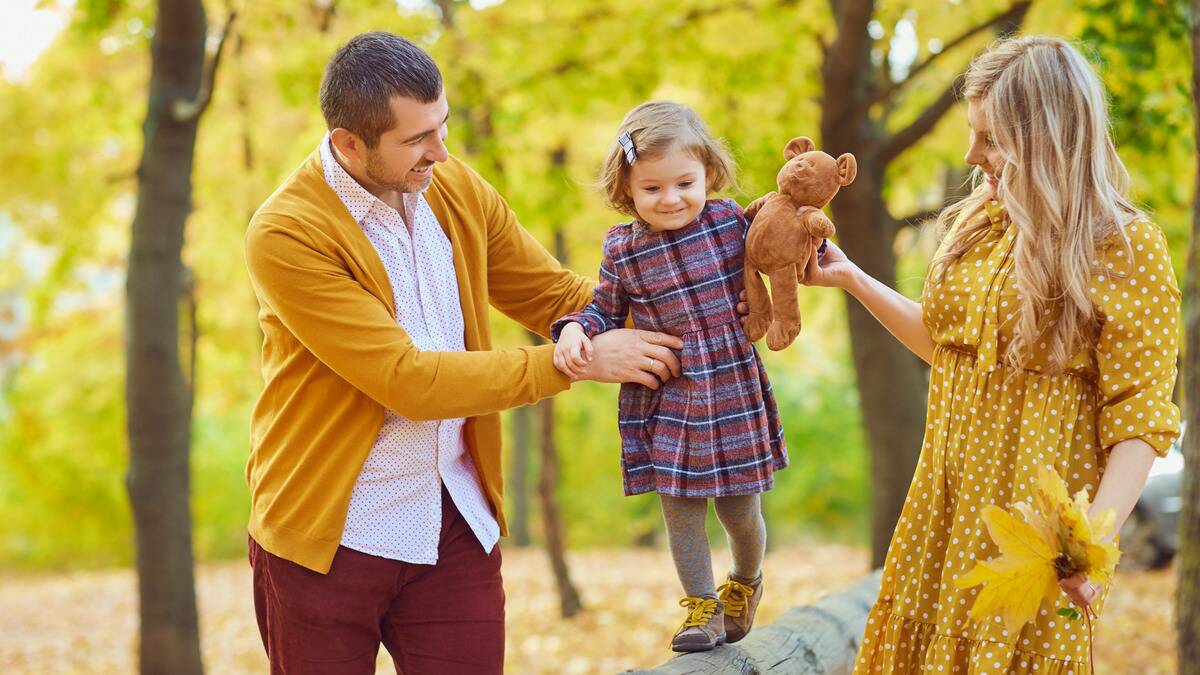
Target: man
(374, 471)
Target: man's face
(403, 159)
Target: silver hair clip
(627, 145)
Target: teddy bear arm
(759, 301)
(755, 206)
(817, 224)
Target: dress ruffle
(898, 644)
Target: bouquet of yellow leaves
(1056, 540)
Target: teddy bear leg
(759, 301)
(786, 324)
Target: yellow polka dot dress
(989, 427)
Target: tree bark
(1188, 603)
(517, 490)
(569, 601)
(158, 399)
(891, 380)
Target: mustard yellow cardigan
(334, 356)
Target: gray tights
(741, 516)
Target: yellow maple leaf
(1081, 538)
(1057, 539)
(1016, 583)
(1036, 520)
(1052, 486)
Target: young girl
(1051, 317)
(714, 432)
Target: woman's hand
(832, 269)
(1081, 591)
(899, 315)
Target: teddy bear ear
(798, 146)
(847, 169)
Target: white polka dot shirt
(395, 508)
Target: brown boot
(741, 602)
(704, 627)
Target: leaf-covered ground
(86, 622)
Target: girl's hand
(1081, 591)
(743, 307)
(573, 352)
(832, 268)
(632, 355)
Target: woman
(1050, 318)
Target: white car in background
(1150, 536)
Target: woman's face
(982, 151)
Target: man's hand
(632, 355)
(573, 350)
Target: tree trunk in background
(1188, 601)
(891, 380)
(569, 600)
(157, 393)
(517, 489)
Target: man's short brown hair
(364, 75)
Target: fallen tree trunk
(817, 639)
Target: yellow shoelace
(700, 610)
(736, 596)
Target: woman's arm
(1136, 354)
(898, 314)
(1124, 478)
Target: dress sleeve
(741, 215)
(608, 308)
(1139, 302)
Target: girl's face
(982, 151)
(668, 192)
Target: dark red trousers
(442, 619)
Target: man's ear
(347, 145)
(798, 146)
(847, 169)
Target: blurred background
(537, 89)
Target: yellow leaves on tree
(1054, 540)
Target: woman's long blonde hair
(1062, 183)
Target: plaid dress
(714, 431)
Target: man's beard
(378, 174)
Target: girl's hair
(1062, 184)
(655, 128)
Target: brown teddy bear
(785, 228)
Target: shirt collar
(996, 213)
(357, 199)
